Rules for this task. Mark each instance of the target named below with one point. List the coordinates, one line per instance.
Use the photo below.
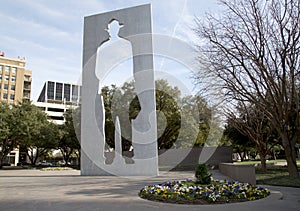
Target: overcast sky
(49, 33)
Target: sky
(49, 34)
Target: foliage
(68, 143)
(33, 131)
(249, 129)
(202, 175)
(198, 121)
(7, 140)
(239, 142)
(250, 53)
(171, 107)
(252, 121)
(26, 126)
(167, 105)
(187, 191)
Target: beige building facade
(15, 85)
(15, 80)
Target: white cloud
(41, 7)
(49, 33)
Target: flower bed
(188, 192)
(56, 169)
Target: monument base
(143, 167)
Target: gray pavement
(67, 190)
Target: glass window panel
(50, 91)
(13, 69)
(7, 68)
(67, 90)
(74, 93)
(58, 92)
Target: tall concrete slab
(136, 28)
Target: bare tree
(252, 54)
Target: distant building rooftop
(60, 93)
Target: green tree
(253, 122)
(123, 102)
(184, 119)
(198, 119)
(7, 122)
(116, 103)
(68, 142)
(168, 113)
(33, 131)
(239, 142)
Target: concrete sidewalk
(67, 190)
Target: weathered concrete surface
(66, 190)
(137, 30)
(242, 173)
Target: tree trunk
(67, 157)
(2, 159)
(30, 156)
(274, 155)
(290, 155)
(263, 163)
(36, 156)
(241, 156)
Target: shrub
(202, 175)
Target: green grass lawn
(276, 175)
(253, 162)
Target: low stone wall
(241, 173)
(192, 157)
(186, 159)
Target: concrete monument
(135, 23)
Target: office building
(15, 80)
(56, 97)
(15, 85)
(60, 93)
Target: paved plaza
(67, 190)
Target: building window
(6, 86)
(0, 77)
(7, 69)
(1, 67)
(74, 93)
(57, 118)
(67, 90)
(7, 78)
(50, 91)
(0, 86)
(5, 96)
(13, 87)
(14, 70)
(12, 97)
(61, 110)
(42, 97)
(26, 78)
(58, 91)
(13, 78)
